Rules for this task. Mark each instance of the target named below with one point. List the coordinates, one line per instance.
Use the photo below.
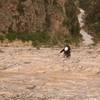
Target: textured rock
(32, 74)
(55, 16)
(92, 8)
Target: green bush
(36, 37)
(1, 38)
(40, 38)
(73, 39)
(95, 29)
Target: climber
(66, 51)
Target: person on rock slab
(66, 51)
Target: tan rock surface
(30, 74)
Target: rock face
(87, 38)
(53, 16)
(92, 8)
(93, 17)
(30, 74)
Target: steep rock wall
(53, 16)
(92, 9)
